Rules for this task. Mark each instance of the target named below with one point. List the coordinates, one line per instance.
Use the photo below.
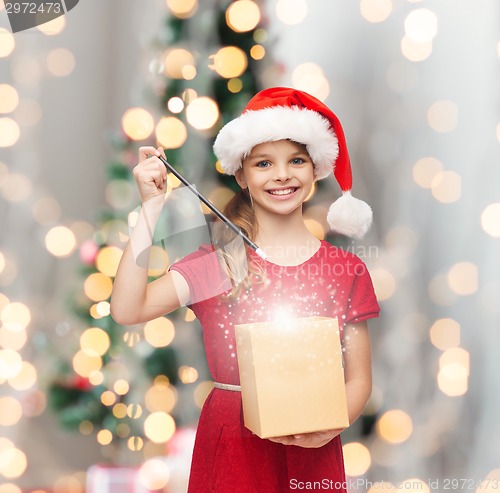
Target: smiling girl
(283, 142)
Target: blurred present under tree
(123, 383)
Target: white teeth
(288, 191)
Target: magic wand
(214, 209)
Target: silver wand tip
(261, 253)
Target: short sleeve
(203, 274)
(362, 303)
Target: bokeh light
(61, 62)
(10, 411)
(10, 363)
(60, 241)
(9, 131)
(175, 104)
(12, 339)
(490, 220)
(53, 27)
(170, 132)
(229, 62)
(121, 387)
(190, 316)
(182, 8)
(107, 260)
(375, 10)
(445, 333)
(9, 488)
(8, 43)
(134, 411)
(15, 316)
(291, 12)
(9, 99)
(452, 380)
(243, 15)
(447, 187)
(384, 283)
(309, 77)
(454, 369)
(154, 474)
(13, 462)
(159, 427)
(135, 443)
(98, 287)
(68, 484)
(463, 278)
(137, 123)
(104, 437)
(395, 426)
(108, 398)
(94, 341)
(159, 332)
(202, 113)
(443, 116)
(16, 187)
(188, 374)
(357, 459)
(421, 25)
(84, 364)
(315, 228)
(455, 356)
(158, 261)
(161, 396)
(415, 52)
(26, 377)
(176, 61)
(257, 52)
(425, 170)
(201, 392)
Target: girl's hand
(308, 440)
(150, 174)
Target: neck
(285, 239)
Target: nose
(282, 172)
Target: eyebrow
(261, 156)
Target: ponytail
(233, 255)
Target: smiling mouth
(285, 191)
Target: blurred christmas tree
(124, 383)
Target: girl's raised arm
(134, 300)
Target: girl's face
(279, 176)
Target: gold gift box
(292, 376)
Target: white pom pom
(350, 216)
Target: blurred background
(85, 403)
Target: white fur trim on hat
(237, 138)
(350, 216)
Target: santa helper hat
(281, 113)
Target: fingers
(307, 440)
(150, 173)
(145, 151)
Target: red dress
(227, 457)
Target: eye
(263, 164)
(297, 160)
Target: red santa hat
(280, 113)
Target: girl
(283, 142)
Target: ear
(240, 178)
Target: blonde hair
(233, 255)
